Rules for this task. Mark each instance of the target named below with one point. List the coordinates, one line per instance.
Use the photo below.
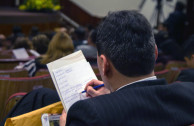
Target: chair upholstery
(175, 65)
(14, 73)
(42, 72)
(10, 64)
(169, 75)
(158, 67)
(12, 101)
(9, 86)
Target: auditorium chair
(169, 75)
(6, 54)
(175, 65)
(95, 69)
(99, 77)
(9, 86)
(12, 101)
(10, 64)
(42, 72)
(14, 73)
(158, 67)
(92, 61)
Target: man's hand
(63, 118)
(90, 92)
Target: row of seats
(13, 82)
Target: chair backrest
(169, 75)
(12, 101)
(6, 54)
(10, 64)
(9, 86)
(159, 67)
(175, 65)
(14, 73)
(92, 61)
(42, 72)
(95, 69)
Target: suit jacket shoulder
(144, 103)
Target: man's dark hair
(126, 38)
(189, 47)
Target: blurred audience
(17, 32)
(60, 45)
(188, 74)
(89, 50)
(34, 32)
(22, 42)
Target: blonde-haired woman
(60, 45)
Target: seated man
(188, 74)
(126, 58)
(89, 50)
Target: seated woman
(60, 45)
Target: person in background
(2, 39)
(79, 37)
(89, 50)
(188, 74)
(17, 32)
(34, 32)
(22, 42)
(126, 57)
(60, 45)
(176, 23)
(172, 49)
(40, 45)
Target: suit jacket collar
(146, 83)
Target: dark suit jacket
(147, 103)
(186, 75)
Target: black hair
(189, 47)
(179, 6)
(80, 33)
(126, 39)
(93, 35)
(40, 43)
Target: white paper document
(70, 79)
(20, 53)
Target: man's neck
(120, 80)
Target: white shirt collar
(145, 79)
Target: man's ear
(156, 52)
(104, 64)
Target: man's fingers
(92, 92)
(93, 83)
(63, 118)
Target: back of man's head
(126, 39)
